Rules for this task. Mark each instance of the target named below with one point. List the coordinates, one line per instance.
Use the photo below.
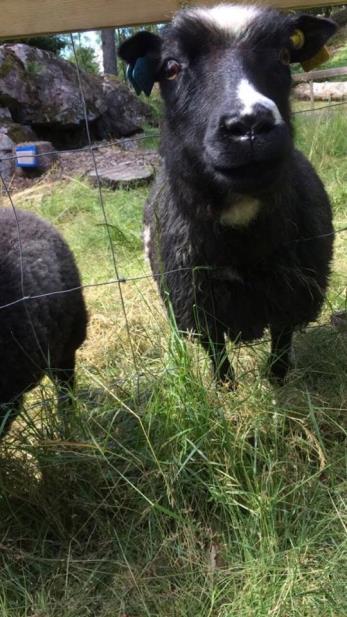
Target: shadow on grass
(150, 484)
(314, 404)
(320, 376)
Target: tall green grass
(169, 497)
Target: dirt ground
(78, 163)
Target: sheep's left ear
(308, 38)
(142, 53)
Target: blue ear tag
(142, 75)
(130, 78)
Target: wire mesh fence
(119, 280)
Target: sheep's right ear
(309, 38)
(142, 53)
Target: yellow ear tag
(297, 39)
(321, 56)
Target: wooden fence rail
(29, 17)
(307, 87)
(320, 75)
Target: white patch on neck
(250, 97)
(232, 18)
(241, 213)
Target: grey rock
(5, 114)
(125, 114)
(6, 143)
(17, 132)
(7, 162)
(11, 134)
(42, 90)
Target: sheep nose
(239, 125)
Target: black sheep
(37, 336)
(239, 224)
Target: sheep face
(225, 78)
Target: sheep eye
(171, 69)
(285, 56)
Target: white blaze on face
(234, 20)
(231, 18)
(250, 97)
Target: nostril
(234, 126)
(262, 126)
(260, 121)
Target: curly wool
(238, 227)
(37, 336)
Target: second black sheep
(37, 336)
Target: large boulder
(125, 114)
(15, 131)
(42, 90)
(7, 162)
(11, 134)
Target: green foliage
(33, 68)
(6, 66)
(322, 135)
(86, 58)
(338, 59)
(54, 43)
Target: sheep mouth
(245, 170)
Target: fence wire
(119, 280)
(101, 199)
(121, 142)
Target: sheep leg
(8, 412)
(281, 345)
(217, 352)
(65, 382)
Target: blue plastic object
(27, 156)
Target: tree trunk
(109, 51)
(340, 17)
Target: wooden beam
(31, 17)
(322, 74)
